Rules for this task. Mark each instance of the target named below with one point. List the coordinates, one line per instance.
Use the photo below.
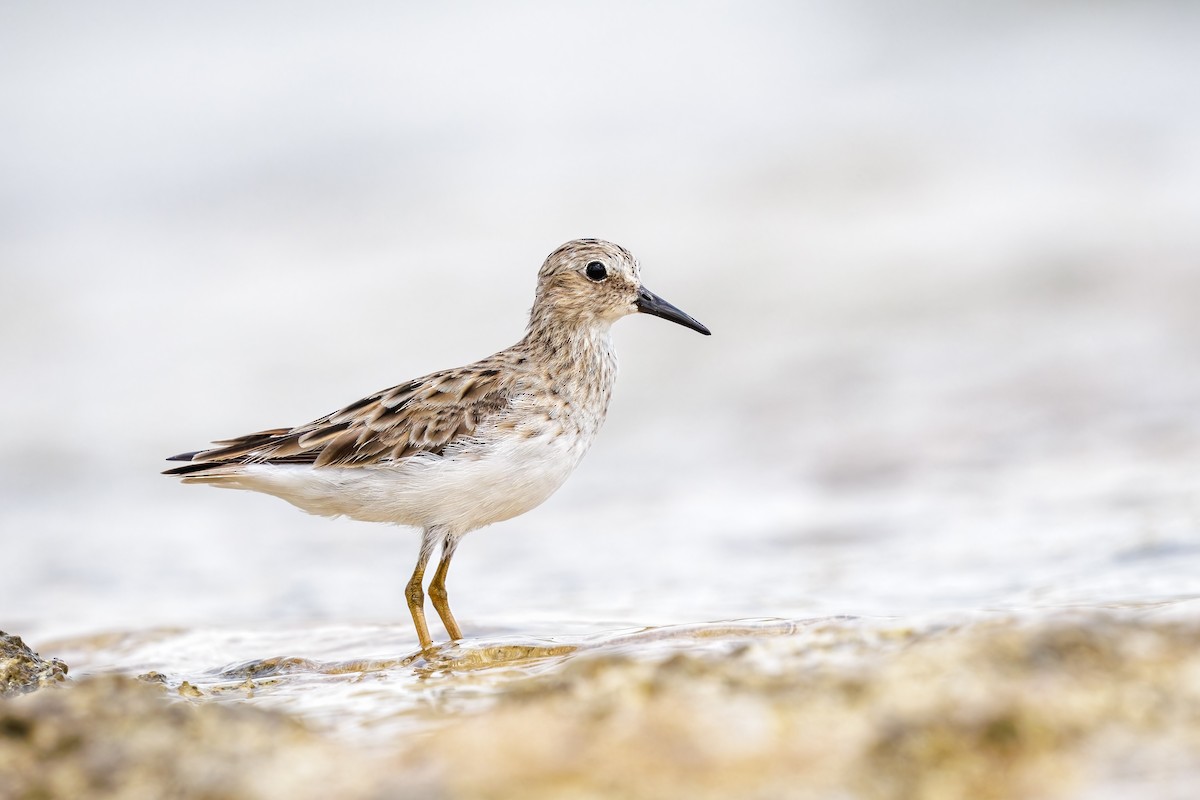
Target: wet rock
(22, 670)
(994, 711)
(1066, 706)
(118, 737)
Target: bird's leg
(413, 592)
(437, 588)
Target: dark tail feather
(185, 456)
(190, 468)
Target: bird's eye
(596, 271)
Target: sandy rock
(994, 711)
(116, 737)
(22, 670)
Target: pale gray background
(949, 253)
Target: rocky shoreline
(1000, 708)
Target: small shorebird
(462, 448)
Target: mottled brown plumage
(421, 416)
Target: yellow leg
(437, 589)
(416, 605)
(415, 595)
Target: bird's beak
(650, 303)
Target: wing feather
(420, 416)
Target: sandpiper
(462, 448)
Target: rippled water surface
(375, 692)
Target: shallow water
(345, 680)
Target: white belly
(461, 491)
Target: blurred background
(949, 254)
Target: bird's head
(591, 282)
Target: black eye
(596, 271)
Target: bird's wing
(421, 416)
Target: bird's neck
(573, 345)
(578, 356)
